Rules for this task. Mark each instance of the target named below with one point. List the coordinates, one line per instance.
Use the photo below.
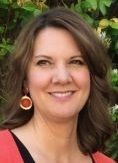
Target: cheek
(82, 78)
(38, 80)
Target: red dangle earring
(25, 102)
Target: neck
(54, 137)
(49, 141)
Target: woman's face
(58, 78)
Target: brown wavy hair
(93, 121)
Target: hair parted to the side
(93, 121)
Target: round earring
(25, 102)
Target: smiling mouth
(62, 95)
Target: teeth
(62, 94)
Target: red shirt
(9, 152)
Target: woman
(57, 110)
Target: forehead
(52, 40)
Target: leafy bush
(114, 77)
(13, 16)
(95, 12)
(112, 144)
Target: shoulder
(8, 148)
(5, 137)
(102, 158)
(4, 132)
(6, 142)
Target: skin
(58, 80)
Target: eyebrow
(42, 56)
(76, 56)
(45, 56)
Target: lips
(62, 95)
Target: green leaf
(37, 12)
(114, 25)
(114, 33)
(103, 4)
(1, 29)
(116, 45)
(93, 3)
(15, 5)
(27, 15)
(3, 52)
(107, 2)
(3, 40)
(85, 5)
(78, 8)
(88, 19)
(102, 7)
(4, 2)
(6, 47)
(29, 6)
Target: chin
(63, 114)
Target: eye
(77, 62)
(43, 62)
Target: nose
(61, 75)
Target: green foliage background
(102, 15)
